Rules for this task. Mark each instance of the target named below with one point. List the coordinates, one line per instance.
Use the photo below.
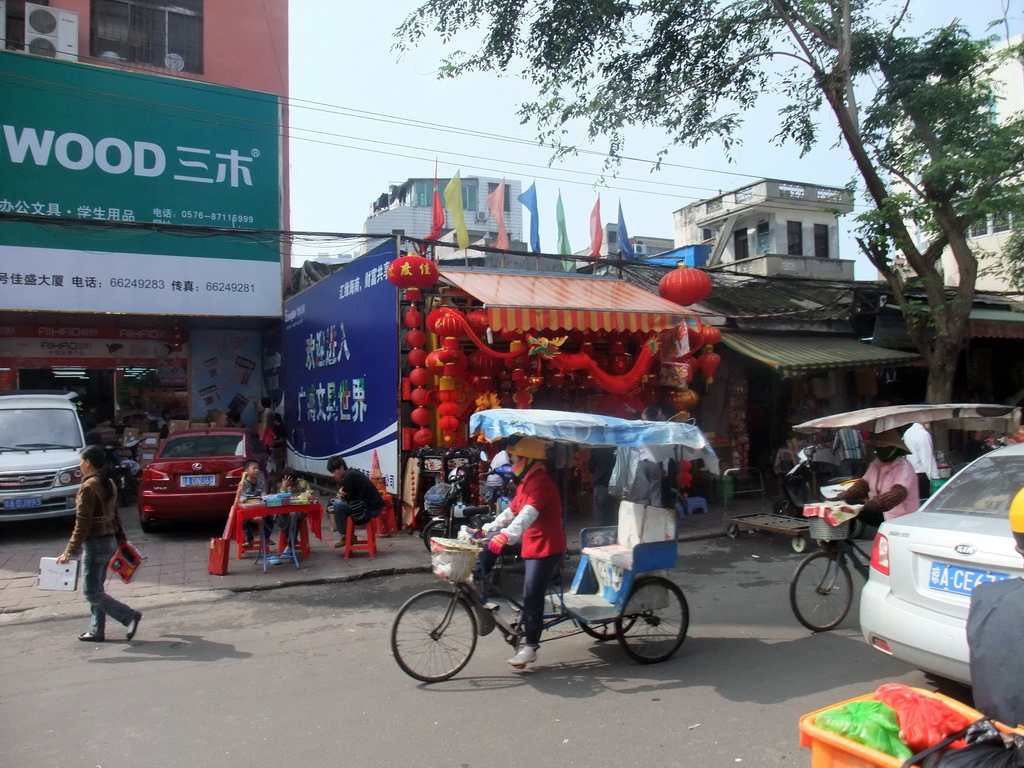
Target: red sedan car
(195, 475)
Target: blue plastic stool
(694, 504)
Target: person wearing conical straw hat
(889, 487)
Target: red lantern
(415, 338)
(416, 357)
(412, 273)
(449, 409)
(448, 396)
(478, 321)
(512, 334)
(420, 396)
(483, 364)
(435, 362)
(448, 424)
(710, 335)
(708, 363)
(685, 285)
(420, 416)
(444, 321)
(412, 318)
(422, 437)
(419, 377)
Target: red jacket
(545, 536)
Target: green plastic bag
(870, 723)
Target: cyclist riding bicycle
(534, 520)
(993, 638)
(889, 486)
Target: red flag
(437, 216)
(596, 230)
(496, 203)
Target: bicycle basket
(451, 559)
(437, 496)
(819, 530)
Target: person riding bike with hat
(534, 521)
(993, 637)
(889, 486)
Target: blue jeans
(95, 559)
(535, 586)
(343, 511)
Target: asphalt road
(303, 676)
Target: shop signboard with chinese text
(340, 369)
(105, 147)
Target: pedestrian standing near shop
(96, 535)
(922, 457)
(600, 465)
(848, 446)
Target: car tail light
(151, 475)
(880, 555)
(882, 645)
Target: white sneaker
(526, 655)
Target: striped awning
(530, 301)
(794, 355)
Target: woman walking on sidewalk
(97, 531)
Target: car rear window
(202, 446)
(984, 489)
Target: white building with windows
(770, 227)
(407, 209)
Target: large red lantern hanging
(478, 321)
(710, 335)
(420, 396)
(413, 318)
(415, 338)
(708, 364)
(421, 416)
(419, 377)
(685, 285)
(444, 321)
(422, 437)
(412, 272)
(416, 357)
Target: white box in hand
(54, 575)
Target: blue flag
(625, 247)
(529, 201)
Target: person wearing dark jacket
(96, 535)
(358, 497)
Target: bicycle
(435, 632)
(821, 589)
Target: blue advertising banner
(340, 372)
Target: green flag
(563, 237)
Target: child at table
(289, 522)
(250, 490)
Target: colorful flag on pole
(496, 203)
(596, 230)
(453, 199)
(529, 201)
(437, 215)
(625, 247)
(563, 236)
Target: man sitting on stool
(358, 497)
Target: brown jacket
(94, 516)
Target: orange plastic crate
(830, 750)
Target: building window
(162, 33)
(491, 187)
(764, 242)
(1001, 222)
(821, 241)
(423, 194)
(794, 238)
(469, 196)
(980, 229)
(739, 245)
(397, 231)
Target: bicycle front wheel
(653, 621)
(821, 591)
(434, 635)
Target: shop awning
(995, 324)
(544, 301)
(794, 355)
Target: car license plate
(192, 481)
(954, 578)
(26, 503)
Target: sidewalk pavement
(176, 567)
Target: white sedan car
(924, 565)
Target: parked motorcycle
(445, 502)
(798, 485)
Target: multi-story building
(129, 129)
(407, 209)
(770, 227)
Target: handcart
(794, 527)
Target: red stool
(369, 546)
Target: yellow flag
(453, 202)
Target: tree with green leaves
(915, 113)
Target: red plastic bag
(924, 720)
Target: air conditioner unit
(481, 216)
(640, 249)
(51, 32)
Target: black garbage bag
(987, 747)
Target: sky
(363, 118)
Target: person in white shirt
(922, 457)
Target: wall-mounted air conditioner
(640, 249)
(51, 32)
(481, 216)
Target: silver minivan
(40, 438)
